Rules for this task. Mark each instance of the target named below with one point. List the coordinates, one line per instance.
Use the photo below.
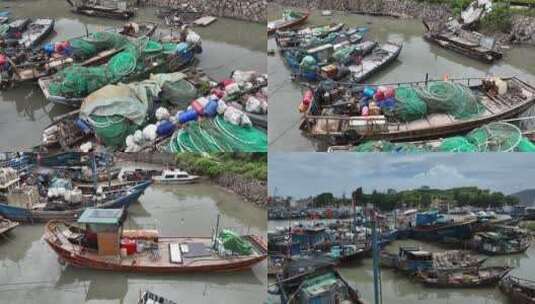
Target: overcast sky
(304, 174)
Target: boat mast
(94, 170)
(376, 270)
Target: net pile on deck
(494, 137)
(78, 81)
(86, 47)
(218, 135)
(416, 102)
(234, 243)
(116, 111)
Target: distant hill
(527, 197)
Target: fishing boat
(149, 297)
(381, 56)
(290, 19)
(65, 131)
(293, 38)
(174, 176)
(468, 43)
(38, 211)
(15, 30)
(152, 64)
(468, 278)
(138, 29)
(413, 259)
(318, 63)
(505, 241)
(36, 32)
(6, 226)
(349, 254)
(520, 291)
(313, 284)
(434, 226)
(337, 117)
(98, 8)
(312, 38)
(98, 241)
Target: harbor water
(31, 272)
(417, 59)
(24, 112)
(400, 289)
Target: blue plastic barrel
(165, 128)
(388, 103)
(83, 126)
(210, 110)
(189, 115)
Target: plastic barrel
(165, 128)
(189, 115)
(210, 110)
(369, 92)
(197, 106)
(83, 126)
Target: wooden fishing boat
(335, 41)
(349, 254)
(324, 67)
(501, 243)
(520, 291)
(293, 38)
(381, 56)
(36, 32)
(97, 246)
(153, 65)
(413, 259)
(6, 226)
(312, 285)
(138, 29)
(107, 186)
(352, 128)
(286, 23)
(43, 212)
(65, 131)
(96, 9)
(468, 278)
(148, 297)
(470, 44)
(16, 28)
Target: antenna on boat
(216, 230)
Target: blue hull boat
(25, 215)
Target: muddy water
(228, 45)
(416, 59)
(30, 272)
(397, 288)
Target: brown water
(30, 272)
(399, 289)
(24, 112)
(416, 59)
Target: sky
(304, 174)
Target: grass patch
(250, 165)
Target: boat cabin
(174, 174)
(103, 229)
(413, 259)
(310, 237)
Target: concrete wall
(248, 10)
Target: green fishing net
(77, 81)
(386, 146)
(416, 102)
(179, 93)
(86, 47)
(457, 144)
(493, 137)
(218, 135)
(409, 106)
(233, 242)
(449, 97)
(112, 130)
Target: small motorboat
(290, 19)
(36, 32)
(520, 291)
(175, 176)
